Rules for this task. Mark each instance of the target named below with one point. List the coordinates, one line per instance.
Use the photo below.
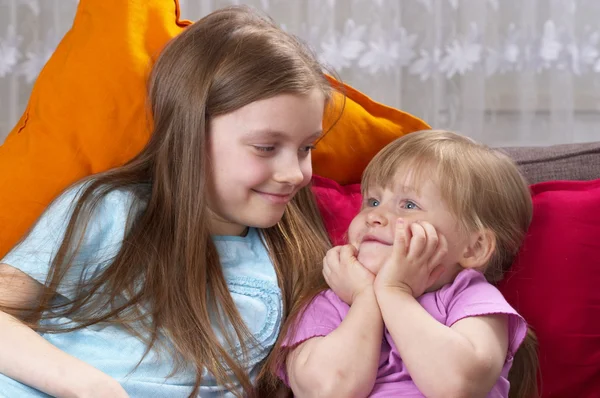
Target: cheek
(249, 170)
(354, 230)
(456, 248)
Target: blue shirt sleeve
(100, 240)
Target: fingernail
(399, 221)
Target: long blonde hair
(168, 264)
(484, 190)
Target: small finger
(400, 245)
(347, 252)
(333, 255)
(326, 268)
(432, 239)
(334, 250)
(326, 275)
(325, 265)
(440, 253)
(417, 241)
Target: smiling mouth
(277, 198)
(372, 239)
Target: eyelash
(307, 148)
(264, 148)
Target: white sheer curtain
(507, 72)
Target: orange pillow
(364, 128)
(87, 110)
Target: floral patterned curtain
(507, 72)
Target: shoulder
(328, 298)
(121, 203)
(96, 236)
(119, 200)
(320, 317)
(105, 208)
(326, 308)
(471, 295)
(105, 216)
(112, 212)
(468, 282)
(102, 198)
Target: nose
(291, 171)
(377, 216)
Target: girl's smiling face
(260, 157)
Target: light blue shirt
(246, 265)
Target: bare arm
(27, 357)
(464, 360)
(345, 362)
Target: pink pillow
(554, 283)
(338, 205)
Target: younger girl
(441, 221)
(170, 276)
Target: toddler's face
(372, 230)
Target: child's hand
(415, 263)
(344, 274)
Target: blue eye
(410, 205)
(371, 202)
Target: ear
(477, 254)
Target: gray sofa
(558, 162)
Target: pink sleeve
(322, 316)
(472, 295)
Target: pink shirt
(469, 295)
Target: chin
(370, 262)
(267, 221)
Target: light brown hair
(168, 267)
(483, 189)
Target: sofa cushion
(555, 285)
(338, 205)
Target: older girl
(170, 276)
